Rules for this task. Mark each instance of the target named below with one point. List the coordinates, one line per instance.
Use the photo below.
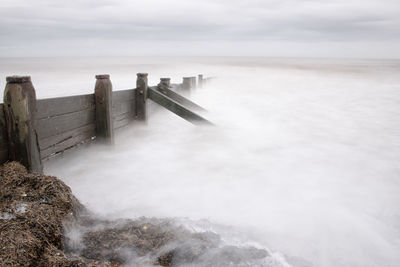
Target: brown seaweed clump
(43, 224)
(33, 208)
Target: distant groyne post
(165, 83)
(187, 83)
(20, 112)
(104, 105)
(141, 96)
(193, 84)
(200, 80)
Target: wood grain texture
(104, 105)
(3, 156)
(178, 98)
(3, 129)
(75, 138)
(141, 97)
(122, 107)
(60, 124)
(56, 139)
(175, 107)
(123, 119)
(123, 95)
(63, 105)
(20, 114)
(3, 137)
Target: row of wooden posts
(34, 130)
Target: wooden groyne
(34, 130)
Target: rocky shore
(43, 224)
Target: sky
(281, 28)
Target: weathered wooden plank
(123, 119)
(121, 123)
(123, 95)
(60, 124)
(3, 156)
(175, 107)
(67, 144)
(62, 105)
(123, 107)
(127, 115)
(178, 98)
(56, 139)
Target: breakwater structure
(34, 130)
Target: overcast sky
(320, 28)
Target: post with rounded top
(165, 83)
(104, 117)
(141, 97)
(20, 115)
(200, 81)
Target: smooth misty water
(304, 158)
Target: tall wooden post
(104, 117)
(20, 114)
(200, 81)
(141, 97)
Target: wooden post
(141, 97)
(20, 113)
(200, 81)
(193, 82)
(104, 116)
(187, 83)
(164, 83)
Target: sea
(302, 160)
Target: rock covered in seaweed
(43, 224)
(33, 208)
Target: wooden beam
(71, 139)
(123, 95)
(64, 123)
(175, 107)
(178, 98)
(122, 107)
(56, 139)
(122, 120)
(62, 105)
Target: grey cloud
(218, 20)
